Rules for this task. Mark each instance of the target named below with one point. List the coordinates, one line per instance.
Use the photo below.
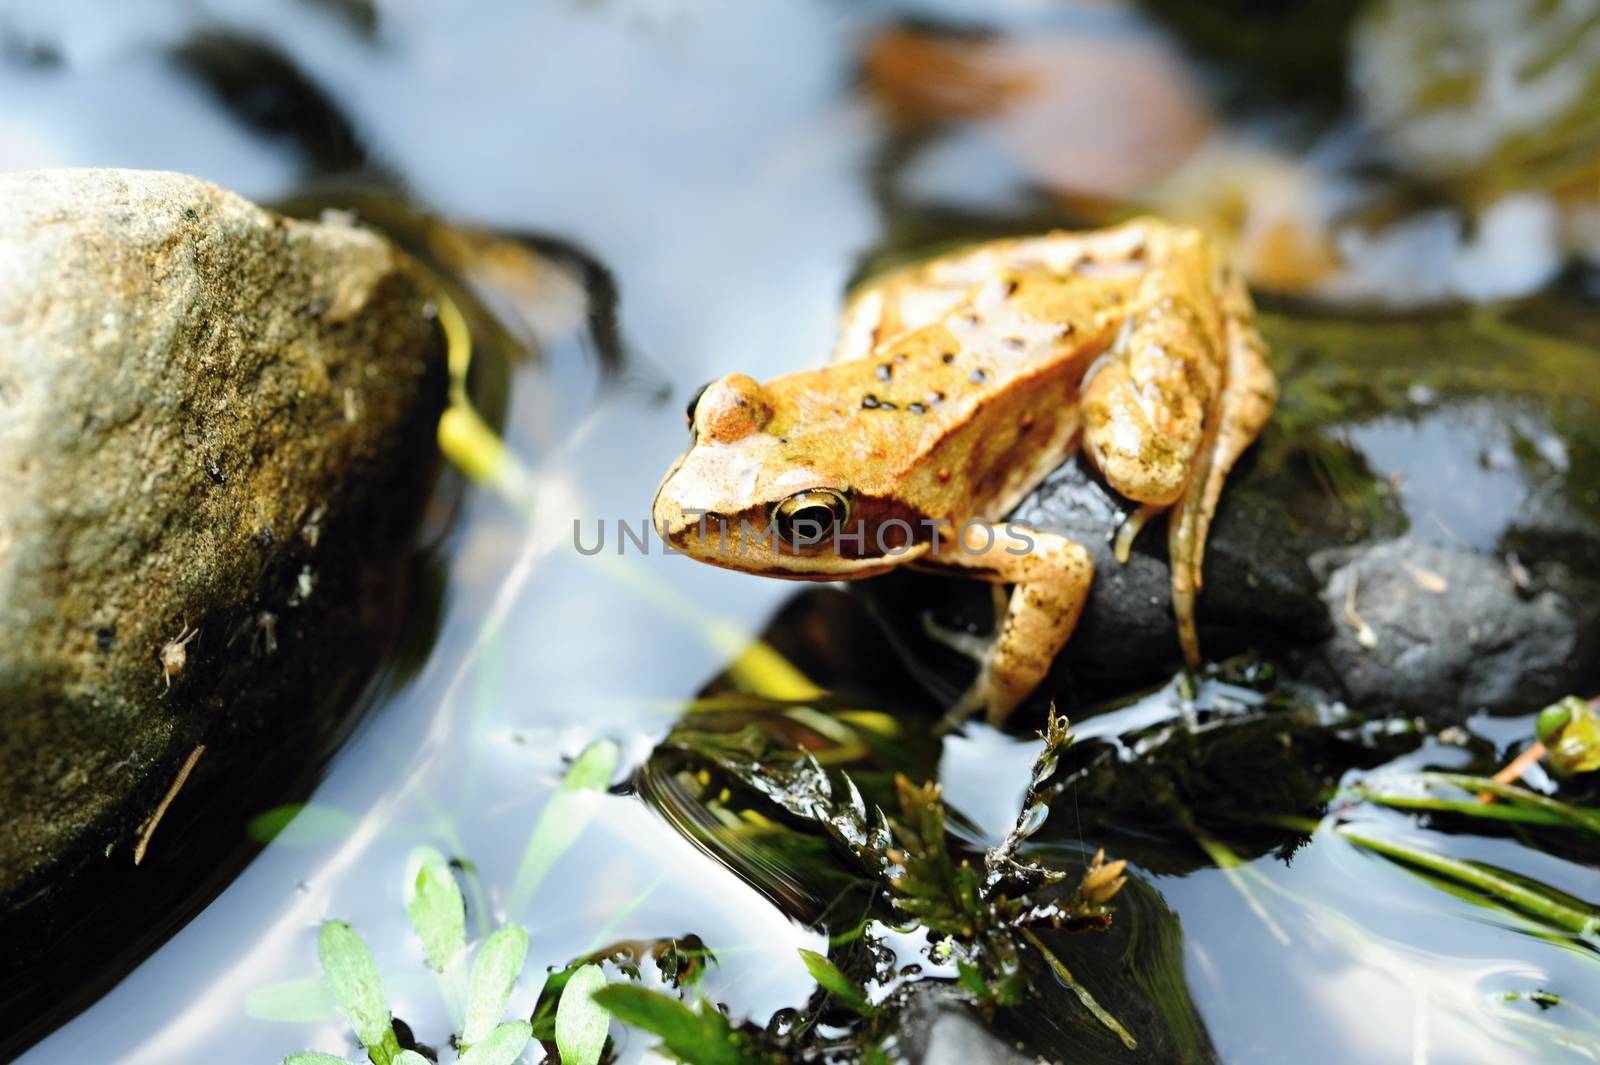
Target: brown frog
(958, 385)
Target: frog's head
(739, 498)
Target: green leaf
(301, 825)
(498, 965)
(303, 1001)
(563, 819)
(311, 1058)
(700, 1036)
(353, 977)
(411, 1057)
(503, 1046)
(581, 1023)
(836, 983)
(433, 902)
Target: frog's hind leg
(1151, 404)
(1050, 575)
(1246, 402)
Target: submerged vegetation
(978, 918)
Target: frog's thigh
(1144, 406)
(1051, 580)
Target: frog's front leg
(1050, 575)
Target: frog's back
(962, 416)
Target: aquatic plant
(437, 911)
(979, 912)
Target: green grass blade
(563, 819)
(1563, 915)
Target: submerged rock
(1428, 628)
(216, 435)
(1459, 446)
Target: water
(721, 160)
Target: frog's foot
(1050, 586)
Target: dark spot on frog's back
(948, 357)
(978, 377)
(872, 402)
(885, 371)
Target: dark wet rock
(215, 431)
(1441, 631)
(1463, 435)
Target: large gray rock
(215, 422)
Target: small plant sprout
(1570, 730)
(353, 976)
(493, 975)
(504, 1045)
(844, 990)
(437, 912)
(581, 1022)
(433, 902)
(175, 655)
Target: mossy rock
(216, 429)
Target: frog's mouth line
(821, 567)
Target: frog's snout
(666, 512)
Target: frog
(956, 386)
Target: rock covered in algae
(215, 438)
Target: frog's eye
(807, 518)
(694, 401)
